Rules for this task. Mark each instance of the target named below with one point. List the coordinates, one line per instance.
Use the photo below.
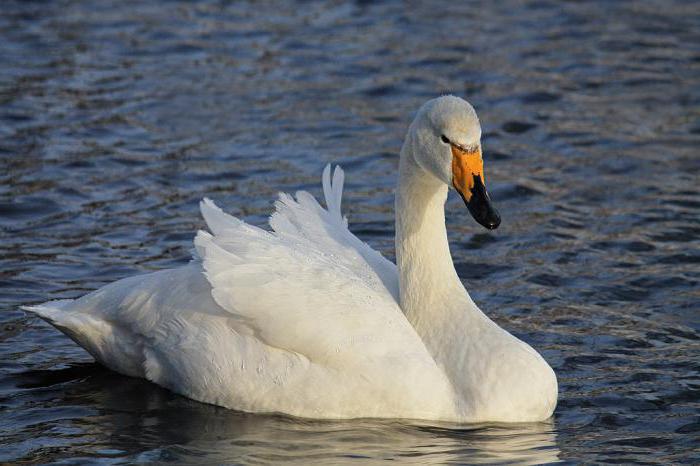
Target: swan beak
(468, 180)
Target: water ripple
(116, 119)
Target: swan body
(308, 320)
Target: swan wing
(301, 219)
(309, 285)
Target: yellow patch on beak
(464, 166)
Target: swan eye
(444, 139)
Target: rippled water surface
(117, 117)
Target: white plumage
(308, 320)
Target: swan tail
(58, 313)
(79, 326)
(52, 312)
(110, 345)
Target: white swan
(309, 321)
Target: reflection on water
(116, 118)
(124, 417)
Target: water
(116, 118)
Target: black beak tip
(493, 222)
(480, 207)
(485, 215)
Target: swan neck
(427, 277)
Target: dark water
(117, 117)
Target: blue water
(117, 117)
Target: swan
(309, 321)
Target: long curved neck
(429, 286)
(432, 296)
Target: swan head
(446, 141)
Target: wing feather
(327, 229)
(310, 285)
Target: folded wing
(309, 286)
